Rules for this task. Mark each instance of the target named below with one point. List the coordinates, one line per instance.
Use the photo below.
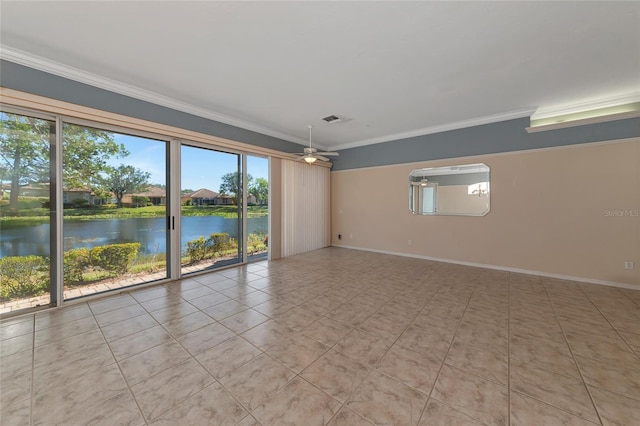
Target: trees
(140, 201)
(260, 189)
(26, 152)
(125, 179)
(231, 184)
(86, 152)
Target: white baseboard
(500, 268)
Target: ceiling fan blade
(320, 157)
(330, 153)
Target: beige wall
(553, 211)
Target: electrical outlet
(628, 265)
(410, 242)
(350, 235)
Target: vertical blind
(306, 220)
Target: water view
(149, 232)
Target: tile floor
(336, 336)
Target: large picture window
(87, 208)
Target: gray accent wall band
(505, 136)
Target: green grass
(36, 216)
(224, 211)
(20, 222)
(148, 267)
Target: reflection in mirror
(453, 190)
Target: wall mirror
(453, 190)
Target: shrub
(76, 262)
(232, 245)
(140, 201)
(79, 203)
(257, 242)
(218, 243)
(31, 202)
(114, 258)
(23, 276)
(196, 249)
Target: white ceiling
(395, 69)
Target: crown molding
(43, 64)
(52, 67)
(611, 101)
(478, 121)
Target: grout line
(564, 334)
(33, 371)
(238, 335)
(352, 328)
(193, 357)
(444, 359)
(219, 382)
(370, 369)
(624, 293)
(124, 378)
(610, 323)
(509, 352)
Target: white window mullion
(244, 201)
(173, 210)
(58, 181)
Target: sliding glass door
(115, 210)
(87, 208)
(211, 209)
(27, 211)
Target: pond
(150, 232)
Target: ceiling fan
(311, 154)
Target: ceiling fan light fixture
(311, 154)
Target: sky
(201, 168)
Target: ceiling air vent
(332, 119)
